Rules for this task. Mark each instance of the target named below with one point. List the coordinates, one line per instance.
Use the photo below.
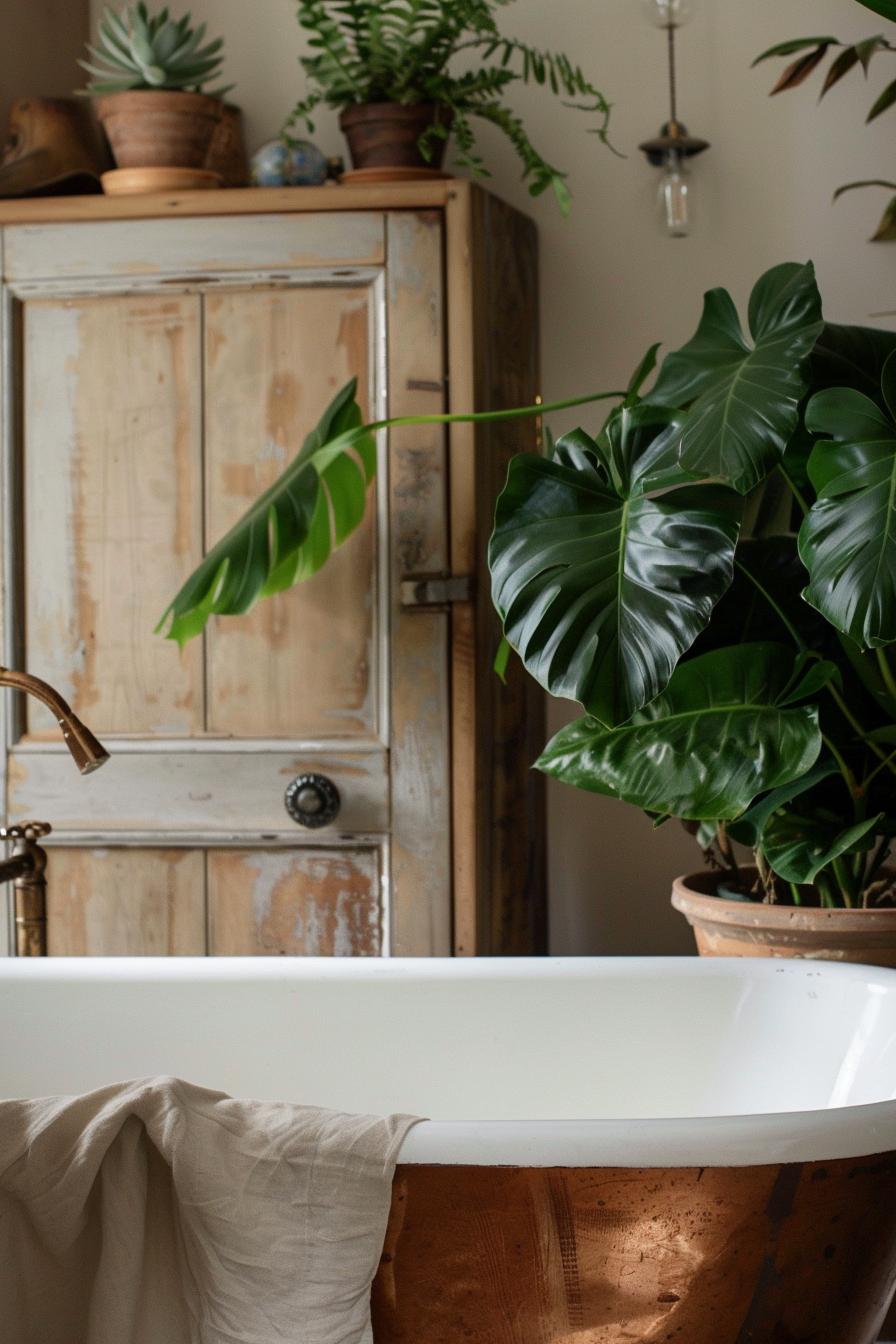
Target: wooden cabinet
(164, 359)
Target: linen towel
(155, 1212)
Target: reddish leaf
(886, 229)
(843, 64)
(800, 70)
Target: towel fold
(155, 1212)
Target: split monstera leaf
(733, 673)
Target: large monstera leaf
(848, 540)
(743, 399)
(601, 588)
(723, 732)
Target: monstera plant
(711, 575)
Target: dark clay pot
(385, 135)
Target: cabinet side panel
(511, 858)
(126, 903)
(420, 744)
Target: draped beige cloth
(155, 1212)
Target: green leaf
(848, 539)
(290, 530)
(748, 827)
(744, 401)
(798, 847)
(885, 101)
(502, 657)
(640, 375)
(795, 44)
(600, 588)
(810, 675)
(885, 7)
(854, 357)
(704, 749)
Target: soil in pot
(386, 136)
(159, 128)
(736, 928)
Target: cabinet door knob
(313, 801)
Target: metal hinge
(435, 590)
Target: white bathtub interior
(546, 1039)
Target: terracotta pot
(159, 128)
(385, 135)
(726, 928)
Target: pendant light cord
(673, 93)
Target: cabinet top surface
(242, 201)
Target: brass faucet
(26, 867)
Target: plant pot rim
(187, 95)
(693, 896)
(398, 111)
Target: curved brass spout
(87, 753)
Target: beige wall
(612, 283)
(41, 42)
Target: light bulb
(674, 197)
(667, 13)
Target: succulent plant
(137, 50)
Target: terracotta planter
(385, 135)
(726, 928)
(159, 128)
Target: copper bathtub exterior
(740, 1255)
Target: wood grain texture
(465, 718)
(420, 744)
(511, 804)
(738, 1255)
(113, 506)
(303, 663)
(126, 903)
(297, 903)
(241, 202)
(186, 247)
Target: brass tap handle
(30, 831)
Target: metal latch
(435, 590)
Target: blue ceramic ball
(278, 164)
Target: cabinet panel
(126, 903)
(311, 903)
(302, 664)
(179, 792)
(113, 506)
(148, 247)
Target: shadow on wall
(610, 893)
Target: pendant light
(672, 148)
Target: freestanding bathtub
(656, 1150)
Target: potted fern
(389, 68)
(149, 75)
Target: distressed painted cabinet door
(148, 403)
